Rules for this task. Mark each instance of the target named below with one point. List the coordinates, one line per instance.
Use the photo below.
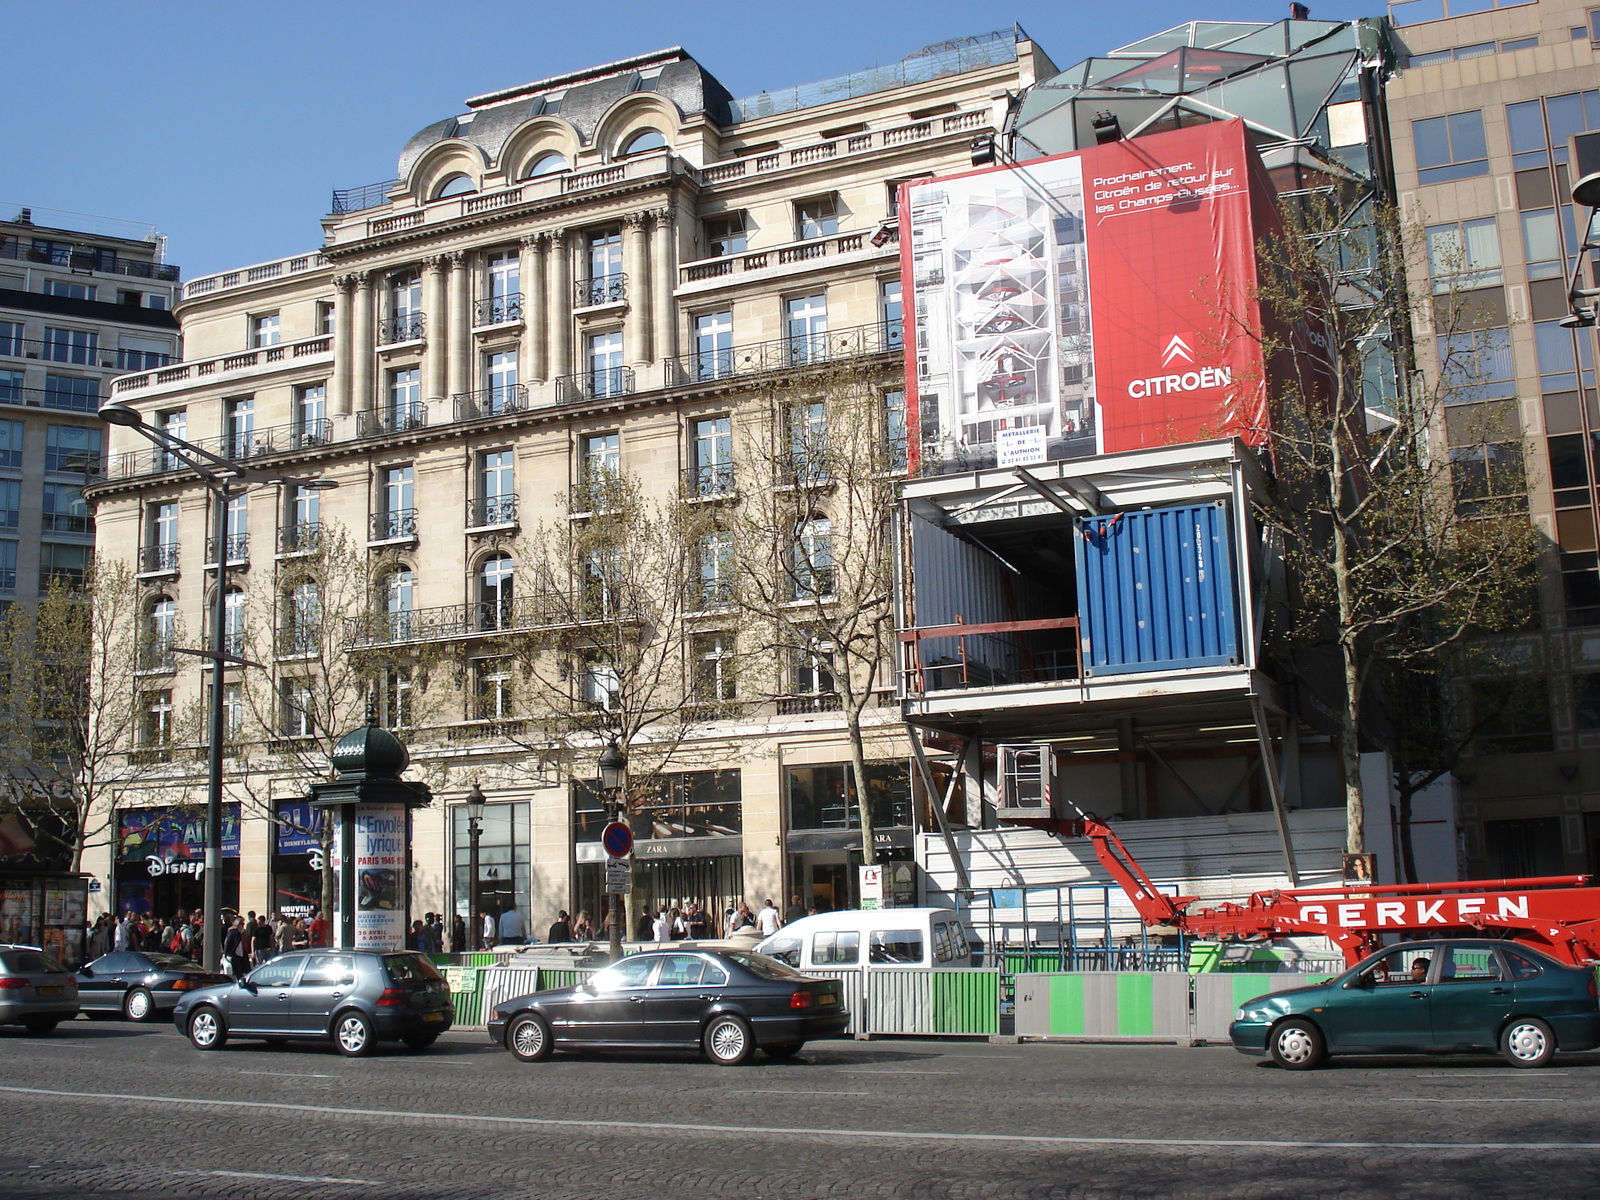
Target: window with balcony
(234, 617)
(397, 514)
(496, 499)
(808, 443)
(714, 582)
(399, 601)
(811, 562)
(302, 525)
(496, 592)
(71, 393)
(711, 456)
(604, 283)
(599, 581)
(155, 718)
(264, 330)
(161, 538)
(70, 448)
(724, 235)
(235, 534)
(892, 313)
(713, 345)
(816, 216)
(806, 325)
(241, 427)
(296, 708)
(501, 394)
(504, 301)
(601, 683)
(395, 698)
(712, 661)
(1450, 147)
(896, 435)
(12, 434)
(404, 323)
(11, 503)
(492, 694)
(311, 424)
(301, 620)
(232, 711)
(1464, 255)
(62, 564)
(65, 510)
(175, 422)
(404, 408)
(813, 667)
(599, 467)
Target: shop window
(823, 797)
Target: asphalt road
(109, 1110)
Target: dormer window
(548, 164)
(643, 142)
(455, 185)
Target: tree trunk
(858, 768)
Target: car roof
(868, 918)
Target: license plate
(49, 991)
(433, 1016)
(826, 999)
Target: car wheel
(529, 1038)
(727, 1041)
(1528, 1042)
(782, 1050)
(352, 1033)
(138, 1004)
(1297, 1045)
(207, 1029)
(40, 1028)
(419, 1041)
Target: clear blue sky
(227, 124)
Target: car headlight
(1238, 1014)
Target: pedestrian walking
(560, 928)
(661, 927)
(512, 931)
(458, 934)
(235, 949)
(583, 927)
(795, 911)
(695, 919)
(767, 919)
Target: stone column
(635, 264)
(560, 313)
(531, 366)
(460, 375)
(343, 326)
(663, 277)
(437, 327)
(363, 346)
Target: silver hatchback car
(35, 990)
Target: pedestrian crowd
(247, 940)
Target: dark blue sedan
(1437, 996)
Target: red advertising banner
(1087, 303)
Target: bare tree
(1396, 562)
(86, 710)
(814, 538)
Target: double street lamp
(474, 836)
(223, 478)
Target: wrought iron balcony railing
(406, 327)
(237, 548)
(492, 402)
(486, 512)
(393, 525)
(594, 385)
(299, 637)
(448, 621)
(156, 654)
(396, 418)
(159, 559)
(66, 523)
(708, 481)
(783, 354)
(302, 537)
(497, 310)
(602, 289)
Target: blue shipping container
(1155, 590)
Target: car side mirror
(1362, 981)
(247, 985)
(85, 971)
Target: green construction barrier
(966, 1002)
(1103, 1004)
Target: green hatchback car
(1423, 997)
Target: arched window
(496, 590)
(233, 610)
(547, 164)
(399, 590)
(455, 185)
(643, 141)
(813, 559)
(160, 632)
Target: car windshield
(763, 967)
(30, 962)
(409, 968)
(162, 960)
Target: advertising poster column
(381, 887)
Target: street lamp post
(219, 475)
(474, 836)
(613, 774)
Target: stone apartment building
(588, 273)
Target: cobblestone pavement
(106, 1110)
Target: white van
(893, 937)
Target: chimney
(1299, 12)
(25, 217)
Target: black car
(726, 1002)
(140, 985)
(356, 998)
